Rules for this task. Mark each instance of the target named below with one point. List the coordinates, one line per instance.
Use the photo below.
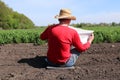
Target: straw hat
(65, 14)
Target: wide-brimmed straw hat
(65, 14)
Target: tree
(10, 19)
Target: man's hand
(91, 38)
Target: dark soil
(26, 62)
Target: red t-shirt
(60, 39)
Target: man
(60, 39)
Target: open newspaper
(84, 34)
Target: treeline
(10, 19)
(79, 25)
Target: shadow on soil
(37, 62)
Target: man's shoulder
(71, 28)
(52, 25)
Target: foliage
(102, 34)
(10, 19)
(81, 25)
(21, 36)
(106, 34)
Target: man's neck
(64, 24)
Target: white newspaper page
(84, 34)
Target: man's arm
(78, 44)
(44, 35)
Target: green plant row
(102, 34)
(106, 34)
(21, 36)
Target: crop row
(21, 36)
(106, 34)
(32, 35)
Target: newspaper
(83, 34)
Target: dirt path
(26, 62)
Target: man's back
(59, 42)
